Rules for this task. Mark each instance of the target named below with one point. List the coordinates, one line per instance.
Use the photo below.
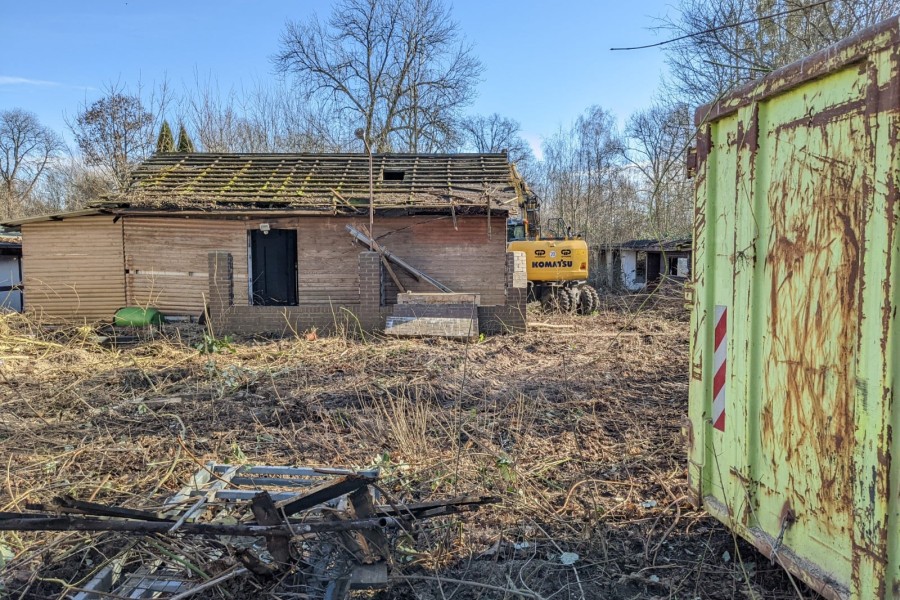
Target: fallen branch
(550, 326)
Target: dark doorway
(273, 267)
(654, 266)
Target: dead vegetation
(576, 429)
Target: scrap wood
(419, 507)
(68, 504)
(386, 263)
(68, 523)
(325, 492)
(49, 522)
(363, 507)
(551, 326)
(266, 513)
(417, 274)
(322, 552)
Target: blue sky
(545, 62)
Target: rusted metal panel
(795, 245)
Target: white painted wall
(629, 264)
(9, 275)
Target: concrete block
(438, 298)
(432, 327)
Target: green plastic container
(135, 316)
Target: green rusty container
(795, 316)
(136, 316)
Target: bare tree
(68, 184)
(119, 130)
(657, 140)
(398, 69)
(27, 148)
(265, 118)
(773, 33)
(494, 133)
(585, 183)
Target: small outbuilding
(277, 242)
(636, 264)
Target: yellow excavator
(557, 263)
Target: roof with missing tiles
(322, 181)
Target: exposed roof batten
(221, 181)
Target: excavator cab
(560, 230)
(556, 264)
(515, 230)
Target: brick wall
(368, 315)
(510, 317)
(227, 317)
(221, 282)
(370, 291)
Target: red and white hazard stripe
(719, 364)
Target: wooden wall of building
(78, 267)
(74, 268)
(166, 261)
(464, 258)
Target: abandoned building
(636, 264)
(278, 242)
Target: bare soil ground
(577, 429)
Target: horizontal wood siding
(167, 261)
(77, 267)
(74, 268)
(167, 257)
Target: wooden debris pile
(298, 531)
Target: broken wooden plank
(325, 492)
(200, 529)
(390, 270)
(439, 298)
(266, 513)
(67, 503)
(416, 273)
(413, 509)
(364, 508)
(551, 326)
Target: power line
(728, 26)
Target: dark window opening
(617, 267)
(515, 232)
(673, 266)
(392, 175)
(273, 267)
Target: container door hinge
(691, 162)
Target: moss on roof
(326, 181)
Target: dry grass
(577, 429)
